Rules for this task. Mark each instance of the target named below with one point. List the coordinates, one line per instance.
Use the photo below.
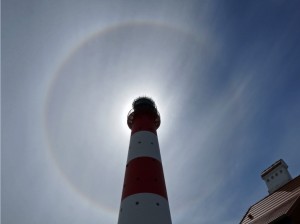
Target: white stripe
(143, 144)
(144, 208)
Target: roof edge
(297, 202)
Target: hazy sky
(225, 76)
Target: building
(282, 205)
(144, 198)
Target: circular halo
(81, 99)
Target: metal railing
(130, 117)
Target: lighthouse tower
(144, 198)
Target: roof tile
(274, 205)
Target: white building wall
(277, 178)
(144, 208)
(143, 144)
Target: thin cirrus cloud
(223, 77)
(81, 130)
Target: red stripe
(143, 122)
(144, 175)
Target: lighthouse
(144, 197)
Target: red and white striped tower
(144, 197)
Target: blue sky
(224, 75)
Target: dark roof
(143, 100)
(275, 205)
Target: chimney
(276, 176)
